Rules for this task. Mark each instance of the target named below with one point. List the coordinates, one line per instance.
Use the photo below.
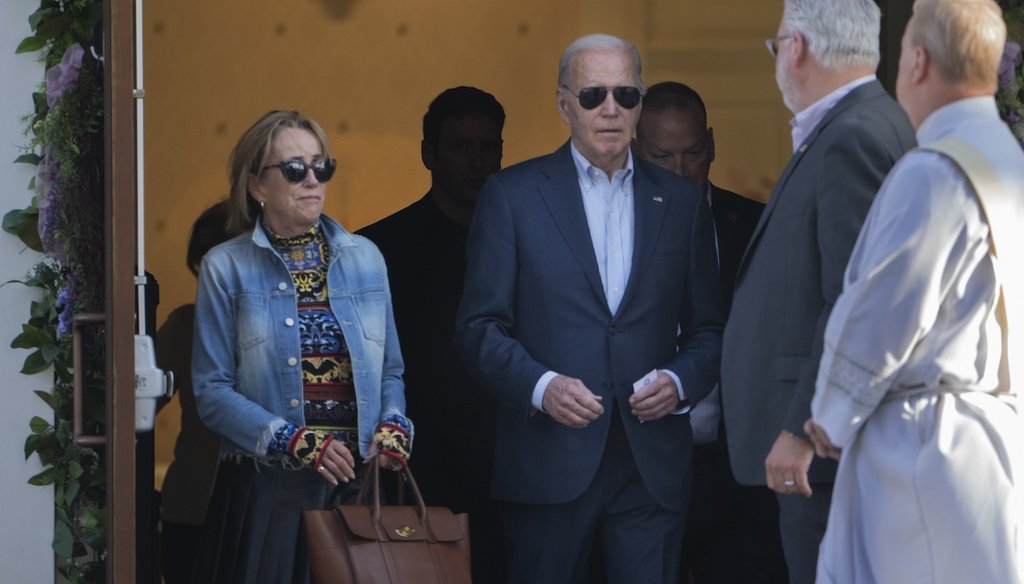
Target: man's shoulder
(727, 197)
(868, 108)
(543, 166)
(180, 319)
(397, 223)
(873, 128)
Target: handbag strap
(371, 481)
(1003, 211)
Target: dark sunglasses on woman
(294, 171)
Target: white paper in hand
(645, 380)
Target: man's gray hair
(841, 34)
(596, 42)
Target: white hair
(840, 34)
(596, 42)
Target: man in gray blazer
(847, 134)
(590, 311)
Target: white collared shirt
(608, 204)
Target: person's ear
(255, 188)
(798, 45)
(563, 105)
(922, 65)
(427, 155)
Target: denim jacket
(246, 361)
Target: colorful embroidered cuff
(400, 421)
(308, 446)
(392, 440)
(282, 438)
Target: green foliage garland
(1013, 10)
(1010, 91)
(65, 221)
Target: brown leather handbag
(404, 544)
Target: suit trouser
(615, 517)
(802, 522)
(732, 530)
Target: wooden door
(120, 260)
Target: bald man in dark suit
(732, 531)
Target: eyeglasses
(294, 171)
(590, 97)
(772, 44)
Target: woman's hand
(392, 441)
(337, 463)
(384, 460)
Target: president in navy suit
(591, 311)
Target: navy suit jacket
(735, 219)
(792, 273)
(533, 302)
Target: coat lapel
(561, 194)
(773, 199)
(649, 210)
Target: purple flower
(1008, 65)
(1014, 118)
(64, 75)
(66, 304)
(47, 200)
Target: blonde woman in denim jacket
(296, 361)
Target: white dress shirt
(608, 204)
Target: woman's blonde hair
(250, 156)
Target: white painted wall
(26, 512)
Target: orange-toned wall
(366, 70)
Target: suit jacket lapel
(867, 91)
(649, 206)
(561, 193)
(773, 200)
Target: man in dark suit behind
(847, 134)
(424, 246)
(732, 531)
(590, 311)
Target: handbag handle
(373, 475)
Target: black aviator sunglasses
(590, 97)
(294, 171)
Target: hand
(383, 460)
(655, 400)
(788, 462)
(337, 463)
(569, 402)
(823, 446)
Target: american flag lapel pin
(658, 199)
